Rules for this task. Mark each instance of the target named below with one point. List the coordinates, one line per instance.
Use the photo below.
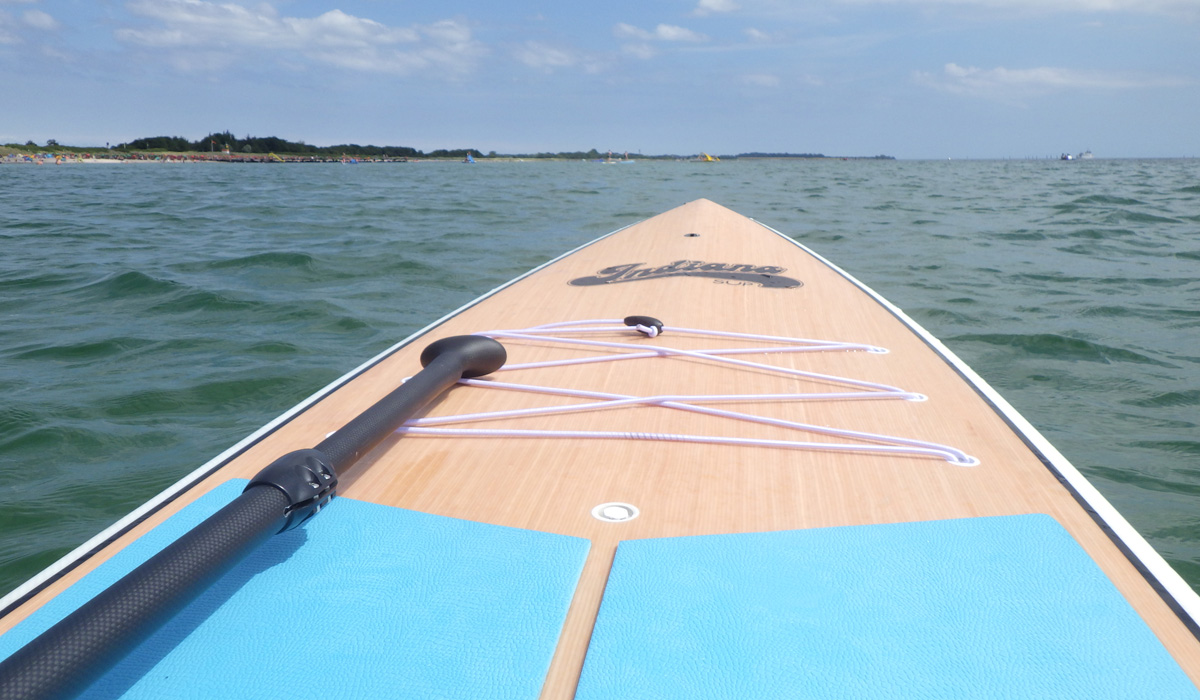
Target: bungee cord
(617, 351)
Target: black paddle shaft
(64, 660)
(445, 361)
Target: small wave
(82, 352)
(1100, 234)
(1061, 347)
(1185, 531)
(202, 300)
(1146, 480)
(173, 297)
(14, 419)
(35, 225)
(345, 323)
(1122, 216)
(279, 259)
(1091, 250)
(127, 284)
(950, 318)
(144, 403)
(229, 394)
(1043, 277)
(1108, 200)
(1170, 399)
(55, 438)
(1110, 312)
(1021, 235)
(273, 348)
(1185, 448)
(36, 281)
(1163, 282)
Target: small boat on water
(692, 458)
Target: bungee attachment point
(647, 325)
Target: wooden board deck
(552, 485)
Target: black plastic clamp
(307, 479)
(647, 321)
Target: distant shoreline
(228, 149)
(71, 158)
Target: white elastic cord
(698, 354)
(603, 400)
(671, 437)
(685, 403)
(619, 326)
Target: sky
(906, 78)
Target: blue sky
(909, 78)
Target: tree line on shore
(273, 144)
(227, 142)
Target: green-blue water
(152, 315)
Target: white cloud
(541, 56)
(39, 20)
(334, 38)
(640, 50)
(628, 31)
(669, 32)
(1186, 7)
(201, 23)
(548, 58)
(7, 36)
(663, 32)
(757, 35)
(708, 7)
(1014, 83)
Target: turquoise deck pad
(363, 601)
(998, 607)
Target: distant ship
(1086, 155)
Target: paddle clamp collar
(307, 479)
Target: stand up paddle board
(689, 459)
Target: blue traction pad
(997, 607)
(363, 601)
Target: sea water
(153, 314)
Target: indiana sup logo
(762, 275)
